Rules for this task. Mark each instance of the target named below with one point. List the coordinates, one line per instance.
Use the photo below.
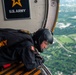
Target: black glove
(39, 57)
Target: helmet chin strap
(37, 44)
(41, 50)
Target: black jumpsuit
(21, 52)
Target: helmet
(42, 35)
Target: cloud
(62, 25)
(74, 17)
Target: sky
(67, 1)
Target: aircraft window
(60, 57)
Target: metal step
(19, 69)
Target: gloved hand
(38, 56)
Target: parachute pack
(11, 37)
